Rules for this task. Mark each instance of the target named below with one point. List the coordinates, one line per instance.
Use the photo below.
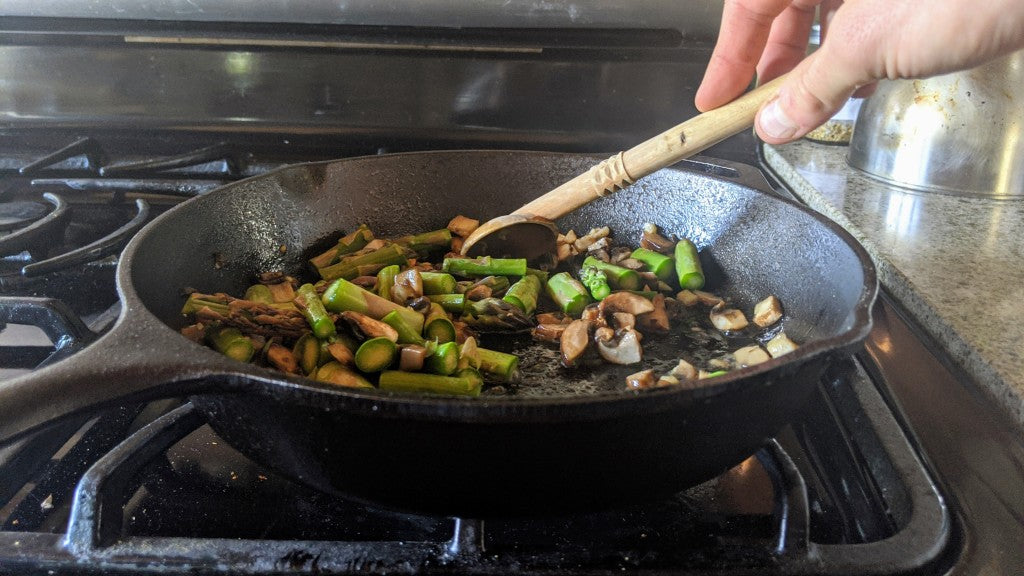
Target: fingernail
(775, 123)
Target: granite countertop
(954, 263)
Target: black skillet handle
(743, 174)
(138, 359)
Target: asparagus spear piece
(661, 265)
(495, 314)
(501, 365)
(312, 308)
(230, 342)
(259, 293)
(386, 280)
(453, 303)
(438, 326)
(364, 263)
(421, 382)
(427, 242)
(307, 352)
(197, 301)
(485, 266)
(596, 281)
(618, 276)
(688, 268)
(375, 354)
(343, 295)
(524, 294)
(444, 360)
(438, 283)
(337, 373)
(406, 333)
(352, 242)
(570, 295)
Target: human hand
(862, 41)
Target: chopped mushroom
(626, 302)
(726, 319)
(707, 298)
(779, 345)
(462, 226)
(411, 358)
(574, 341)
(341, 353)
(369, 327)
(408, 286)
(767, 311)
(552, 318)
(622, 320)
(684, 371)
(687, 298)
(548, 332)
(656, 320)
(750, 356)
(623, 350)
(653, 240)
(583, 242)
(281, 357)
(642, 379)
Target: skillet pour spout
(493, 454)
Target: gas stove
(112, 120)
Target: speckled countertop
(955, 263)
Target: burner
(16, 214)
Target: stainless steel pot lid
(960, 133)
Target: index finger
(741, 40)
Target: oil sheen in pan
(543, 375)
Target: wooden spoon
(529, 232)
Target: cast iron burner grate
(838, 492)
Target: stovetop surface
(865, 481)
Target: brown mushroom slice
(369, 327)
(282, 358)
(622, 350)
(408, 286)
(641, 380)
(667, 380)
(623, 320)
(727, 319)
(583, 242)
(656, 320)
(707, 298)
(552, 318)
(282, 291)
(684, 371)
(750, 356)
(548, 332)
(651, 239)
(574, 341)
(767, 311)
(411, 358)
(478, 292)
(462, 226)
(727, 362)
(687, 298)
(627, 302)
(780, 345)
(341, 353)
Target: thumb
(814, 91)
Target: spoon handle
(672, 145)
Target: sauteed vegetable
(409, 314)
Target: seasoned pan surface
(565, 440)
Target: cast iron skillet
(581, 446)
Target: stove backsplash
(582, 85)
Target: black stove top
(151, 488)
(108, 123)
